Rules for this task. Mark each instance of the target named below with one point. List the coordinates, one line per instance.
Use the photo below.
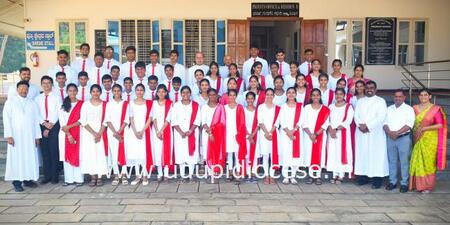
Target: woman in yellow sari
(430, 144)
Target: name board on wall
(40, 40)
(380, 41)
(268, 9)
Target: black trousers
(50, 153)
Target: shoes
(391, 187)
(45, 181)
(18, 188)
(29, 184)
(403, 189)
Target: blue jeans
(399, 150)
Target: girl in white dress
(339, 157)
(327, 94)
(162, 143)
(268, 135)
(185, 120)
(290, 137)
(291, 79)
(252, 129)
(314, 123)
(93, 159)
(254, 87)
(256, 71)
(202, 98)
(70, 110)
(302, 90)
(231, 85)
(336, 75)
(215, 80)
(234, 73)
(137, 141)
(199, 76)
(280, 95)
(116, 119)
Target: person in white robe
(291, 78)
(93, 159)
(371, 160)
(289, 131)
(341, 116)
(231, 133)
(184, 112)
(22, 132)
(202, 97)
(72, 174)
(207, 114)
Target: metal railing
(8, 80)
(423, 75)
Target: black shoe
(44, 181)
(362, 181)
(55, 181)
(18, 188)
(391, 187)
(29, 184)
(376, 185)
(403, 189)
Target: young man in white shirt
(305, 67)
(154, 68)
(60, 87)
(246, 70)
(84, 93)
(174, 93)
(25, 75)
(199, 64)
(95, 73)
(140, 77)
(127, 69)
(109, 58)
(107, 88)
(150, 92)
(49, 104)
(115, 75)
(398, 124)
(178, 69)
(62, 66)
(83, 63)
(128, 93)
(283, 67)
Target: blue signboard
(40, 40)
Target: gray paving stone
(202, 209)
(15, 218)
(64, 209)
(313, 217)
(342, 202)
(58, 217)
(160, 217)
(27, 209)
(228, 187)
(413, 217)
(264, 217)
(212, 217)
(239, 209)
(57, 202)
(18, 202)
(107, 217)
(364, 217)
(145, 201)
(100, 209)
(188, 187)
(146, 208)
(99, 202)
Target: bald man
(224, 70)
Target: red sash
(191, 140)
(121, 152)
(72, 151)
(261, 98)
(167, 138)
(296, 142)
(330, 96)
(307, 96)
(275, 141)
(309, 83)
(317, 145)
(255, 138)
(344, 138)
(105, 135)
(218, 84)
(241, 132)
(148, 147)
(216, 148)
(348, 97)
(239, 83)
(223, 99)
(263, 82)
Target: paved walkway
(223, 203)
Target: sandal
(115, 181)
(136, 181)
(124, 181)
(333, 181)
(99, 182)
(145, 181)
(267, 180)
(338, 181)
(93, 182)
(309, 181)
(318, 181)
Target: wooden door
(238, 39)
(314, 35)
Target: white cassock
(134, 147)
(84, 93)
(370, 148)
(305, 68)
(71, 76)
(21, 122)
(108, 63)
(71, 173)
(334, 156)
(231, 129)
(95, 75)
(78, 64)
(181, 116)
(308, 120)
(207, 116)
(279, 100)
(354, 101)
(33, 91)
(157, 70)
(224, 71)
(92, 155)
(114, 116)
(158, 114)
(286, 120)
(246, 69)
(190, 77)
(265, 116)
(289, 81)
(127, 70)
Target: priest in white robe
(22, 131)
(371, 159)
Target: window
(411, 41)
(178, 40)
(143, 34)
(349, 41)
(100, 40)
(71, 34)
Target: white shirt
(95, 73)
(157, 70)
(60, 92)
(173, 95)
(224, 71)
(284, 68)
(125, 70)
(71, 76)
(118, 81)
(246, 69)
(304, 68)
(77, 64)
(397, 117)
(53, 105)
(143, 80)
(33, 91)
(84, 91)
(289, 81)
(131, 94)
(106, 95)
(108, 63)
(179, 71)
(190, 77)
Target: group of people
(99, 117)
